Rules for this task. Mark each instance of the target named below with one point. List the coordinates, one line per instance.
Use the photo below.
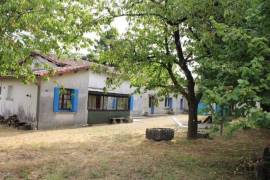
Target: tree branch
(167, 49)
(174, 80)
(163, 18)
(208, 51)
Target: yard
(122, 152)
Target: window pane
(65, 99)
(95, 102)
(105, 100)
(99, 102)
(10, 92)
(92, 102)
(122, 103)
(110, 103)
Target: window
(110, 103)
(65, 100)
(122, 103)
(10, 93)
(107, 102)
(95, 102)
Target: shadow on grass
(131, 156)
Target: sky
(120, 23)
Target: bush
(242, 123)
(259, 118)
(255, 119)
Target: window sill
(65, 111)
(108, 110)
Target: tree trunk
(192, 119)
(221, 127)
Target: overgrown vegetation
(236, 76)
(218, 49)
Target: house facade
(111, 103)
(149, 103)
(18, 98)
(59, 102)
(74, 96)
(130, 103)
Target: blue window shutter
(131, 103)
(56, 99)
(114, 103)
(75, 100)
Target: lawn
(122, 152)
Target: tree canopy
(238, 71)
(44, 25)
(213, 48)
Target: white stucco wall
(50, 119)
(23, 102)
(141, 104)
(97, 82)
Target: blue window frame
(65, 100)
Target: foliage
(259, 118)
(43, 25)
(241, 123)
(238, 73)
(256, 118)
(158, 52)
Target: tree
(44, 25)
(158, 51)
(238, 73)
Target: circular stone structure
(160, 134)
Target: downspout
(38, 103)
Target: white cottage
(74, 96)
(59, 102)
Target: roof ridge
(48, 58)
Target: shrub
(259, 118)
(256, 119)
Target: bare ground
(122, 152)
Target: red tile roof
(61, 66)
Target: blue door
(152, 104)
(181, 104)
(152, 110)
(170, 103)
(202, 108)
